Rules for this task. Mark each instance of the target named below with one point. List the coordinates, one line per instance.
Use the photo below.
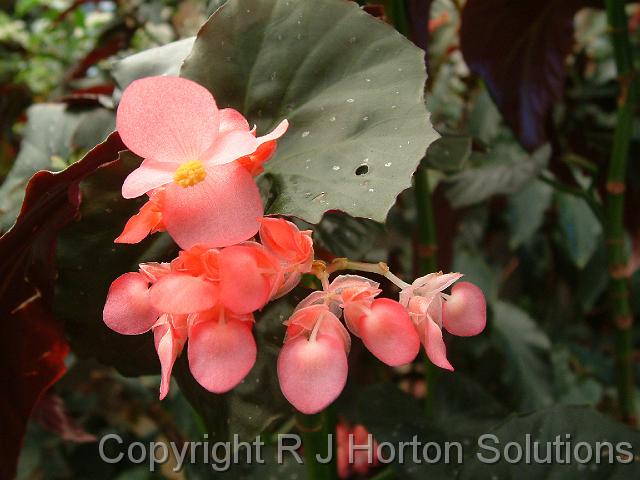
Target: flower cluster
(198, 169)
(208, 296)
(312, 366)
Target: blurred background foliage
(516, 197)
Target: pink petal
(146, 221)
(168, 348)
(434, 345)
(169, 119)
(222, 210)
(127, 309)
(388, 333)
(221, 353)
(149, 175)
(231, 146)
(230, 120)
(275, 134)
(465, 312)
(312, 373)
(182, 293)
(245, 286)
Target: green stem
(425, 251)
(315, 431)
(614, 213)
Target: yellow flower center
(190, 173)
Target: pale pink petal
(351, 281)
(245, 286)
(169, 119)
(436, 282)
(154, 270)
(168, 349)
(304, 319)
(149, 175)
(230, 146)
(289, 281)
(230, 120)
(313, 298)
(275, 134)
(221, 353)
(219, 211)
(312, 373)
(127, 309)
(434, 345)
(388, 333)
(465, 312)
(182, 293)
(331, 325)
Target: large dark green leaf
(351, 87)
(525, 211)
(88, 261)
(580, 424)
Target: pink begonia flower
(294, 249)
(190, 148)
(426, 305)
(312, 364)
(361, 460)
(182, 300)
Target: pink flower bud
(312, 372)
(221, 349)
(128, 310)
(465, 311)
(387, 331)
(249, 274)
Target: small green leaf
(527, 351)
(525, 211)
(506, 170)
(449, 153)
(581, 232)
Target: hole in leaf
(362, 170)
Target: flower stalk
(315, 430)
(614, 213)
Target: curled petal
(312, 373)
(275, 134)
(231, 146)
(287, 242)
(221, 353)
(150, 175)
(169, 119)
(434, 345)
(465, 312)
(127, 309)
(147, 220)
(182, 294)
(219, 211)
(388, 333)
(168, 346)
(248, 275)
(351, 281)
(317, 317)
(154, 270)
